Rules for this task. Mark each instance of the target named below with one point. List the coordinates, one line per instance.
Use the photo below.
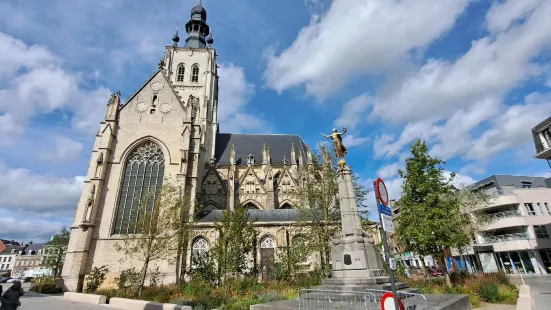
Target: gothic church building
(168, 129)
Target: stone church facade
(168, 129)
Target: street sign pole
(386, 250)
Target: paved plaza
(34, 301)
(540, 288)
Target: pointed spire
(309, 156)
(176, 37)
(264, 154)
(300, 157)
(113, 106)
(293, 155)
(232, 154)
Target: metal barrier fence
(411, 301)
(325, 299)
(355, 300)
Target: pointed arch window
(195, 73)
(180, 72)
(143, 174)
(200, 247)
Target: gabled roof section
(250, 170)
(245, 144)
(159, 71)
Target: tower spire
(176, 37)
(197, 28)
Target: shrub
(45, 285)
(129, 281)
(96, 278)
(489, 292)
(162, 294)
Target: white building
(8, 255)
(517, 239)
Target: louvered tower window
(143, 173)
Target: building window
(547, 208)
(267, 243)
(143, 174)
(541, 231)
(545, 137)
(9, 259)
(180, 72)
(195, 73)
(526, 185)
(530, 209)
(200, 247)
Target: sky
(471, 78)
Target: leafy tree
(471, 218)
(427, 221)
(236, 236)
(318, 205)
(291, 259)
(96, 278)
(157, 239)
(54, 255)
(204, 268)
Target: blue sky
(469, 77)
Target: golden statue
(340, 149)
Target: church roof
(245, 144)
(278, 215)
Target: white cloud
(511, 128)
(503, 14)
(389, 170)
(24, 230)
(353, 112)
(65, 150)
(235, 92)
(44, 194)
(460, 180)
(445, 101)
(355, 37)
(34, 83)
(351, 140)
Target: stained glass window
(143, 173)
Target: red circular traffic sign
(381, 192)
(387, 302)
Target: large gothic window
(180, 73)
(195, 73)
(143, 174)
(199, 249)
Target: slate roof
(245, 144)
(34, 247)
(279, 215)
(10, 247)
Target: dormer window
(180, 73)
(526, 184)
(195, 73)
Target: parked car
(11, 280)
(4, 280)
(435, 272)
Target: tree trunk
(144, 273)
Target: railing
(506, 237)
(368, 299)
(504, 214)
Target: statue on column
(338, 146)
(99, 164)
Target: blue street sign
(385, 210)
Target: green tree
(54, 251)
(427, 223)
(470, 216)
(157, 239)
(318, 205)
(236, 237)
(292, 259)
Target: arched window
(180, 72)
(200, 247)
(143, 174)
(267, 243)
(250, 206)
(286, 206)
(195, 73)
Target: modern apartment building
(517, 239)
(542, 140)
